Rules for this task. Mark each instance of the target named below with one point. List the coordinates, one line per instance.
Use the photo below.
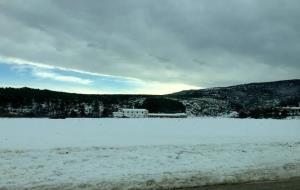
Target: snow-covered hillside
(145, 153)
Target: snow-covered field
(145, 153)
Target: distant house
(142, 113)
(131, 113)
(291, 111)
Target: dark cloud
(202, 43)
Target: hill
(28, 102)
(244, 99)
(257, 100)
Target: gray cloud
(201, 43)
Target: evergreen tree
(82, 110)
(96, 110)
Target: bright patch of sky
(20, 73)
(17, 75)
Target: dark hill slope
(247, 97)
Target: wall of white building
(131, 113)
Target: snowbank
(145, 153)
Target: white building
(131, 113)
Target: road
(291, 184)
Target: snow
(145, 153)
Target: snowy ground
(145, 153)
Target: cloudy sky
(147, 46)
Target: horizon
(148, 94)
(147, 47)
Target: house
(291, 111)
(131, 113)
(142, 113)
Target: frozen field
(145, 153)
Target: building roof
(291, 108)
(128, 109)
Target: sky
(147, 46)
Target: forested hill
(242, 98)
(280, 88)
(25, 96)
(29, 102)
(248, 100)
